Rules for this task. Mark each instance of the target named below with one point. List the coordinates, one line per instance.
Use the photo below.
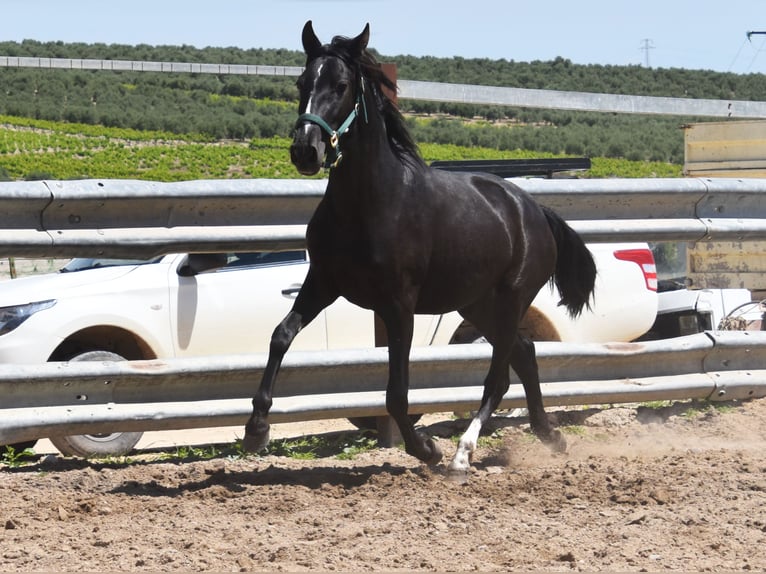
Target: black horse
(395, 236)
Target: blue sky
(696, 34)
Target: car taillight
(645, 260)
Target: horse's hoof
(556, 442)
(427, 451)
(436, 453)
(457, 475)
(255, 442)
(460, 467)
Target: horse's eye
(341, 87)
(300, 82)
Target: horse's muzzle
(307, 150)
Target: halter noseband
(336, 134)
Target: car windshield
(83, 263)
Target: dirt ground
(641, 489)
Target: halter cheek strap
(336, 134)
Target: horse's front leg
(308, 305)
(257, 428)
(399, 326)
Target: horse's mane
(366, 65)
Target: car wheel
(102, 444)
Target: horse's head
(330, 96)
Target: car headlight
(12, 317)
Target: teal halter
(336, 134)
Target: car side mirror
(197, 263)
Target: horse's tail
(575, 273)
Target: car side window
(262, 259)
(197, 263)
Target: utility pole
(646, 45)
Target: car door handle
(291, 291)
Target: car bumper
(22, 350)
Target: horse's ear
(311, 43)
(359, 44)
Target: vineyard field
(38, 149)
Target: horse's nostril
(304, 154)
(306, 158)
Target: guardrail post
(388, 432)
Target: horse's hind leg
(309, 303)
(497, 317)
(495, 386)
(524, 362)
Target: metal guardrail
(437, 91)
(541, 167)
(100, 217)
(147, 66)
(136, 218)
(84, 397)
(580, 101)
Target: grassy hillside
(40, 149)
(223, 107)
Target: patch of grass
(528, 437)
(14, 458)
(301, 448)
(31, 148)
(689, 409)
(657, 404)
(197, 453)
(692, 413)
(699, 408)
(357, 444)
(494, 440)
(577, 430)
(344, 446)
(114, 460)
(723, 408)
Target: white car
(181, 305)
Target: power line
(759, 49)
(736, 57)
(748, 39)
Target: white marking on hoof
(461, 463)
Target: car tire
(97, 445)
